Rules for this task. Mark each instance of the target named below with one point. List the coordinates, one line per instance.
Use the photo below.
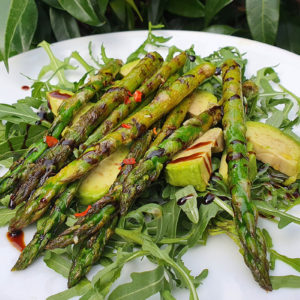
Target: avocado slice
(56, 98)
(274, 147)
(98, 182)
(192, 166)
(223, 169)
(201, 101)
(125, 69)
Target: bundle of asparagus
(52, 176)
(137, 124)
(65, 115)
(57, 156)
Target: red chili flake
(126, 126)
(129, 161)
(51, 141)
(154, 131)
(82, 214)
(120, 167)
(138, 96)
(127, 100)
(128, 92)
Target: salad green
(155, 226)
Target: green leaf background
(26, 23)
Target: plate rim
(166, 31)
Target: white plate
(229, 278)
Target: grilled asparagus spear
(245, 213)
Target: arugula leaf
(171, 211)
(56, 66)
(289, 281)
(151, 39)
(18, 113)
(58, 262)
(103, 280)
(190, 204)
(293, 262)
(15, 146)
(6, 163)
(206, 213)
(267, 209)
(151, 248)
(220, 56)
(79, 289)
(6, 215)
(142, 286)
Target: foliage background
(25, 23)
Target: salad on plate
(149, 158)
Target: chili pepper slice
(138, 96)
(126, 126)
(51, 141)
(129, 161)
(127, 100)
(82, 214)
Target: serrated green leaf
(212, 7)
(103, 280)
(142, 286)
(269, 210)
(263, 18)
(190, 203)
(206, 213)
(64, 25)
(289, 281)
(56, 66)
(81, 288)
(57, 262)
(293, 262)
(6, 215)
(18, 113)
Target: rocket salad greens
(141, 214)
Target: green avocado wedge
(274, 147)
(98, 182)
(56, 98)
(192, 166)
(201, 101)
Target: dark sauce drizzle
(182, 200)
(25, 87)
(17, 239)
